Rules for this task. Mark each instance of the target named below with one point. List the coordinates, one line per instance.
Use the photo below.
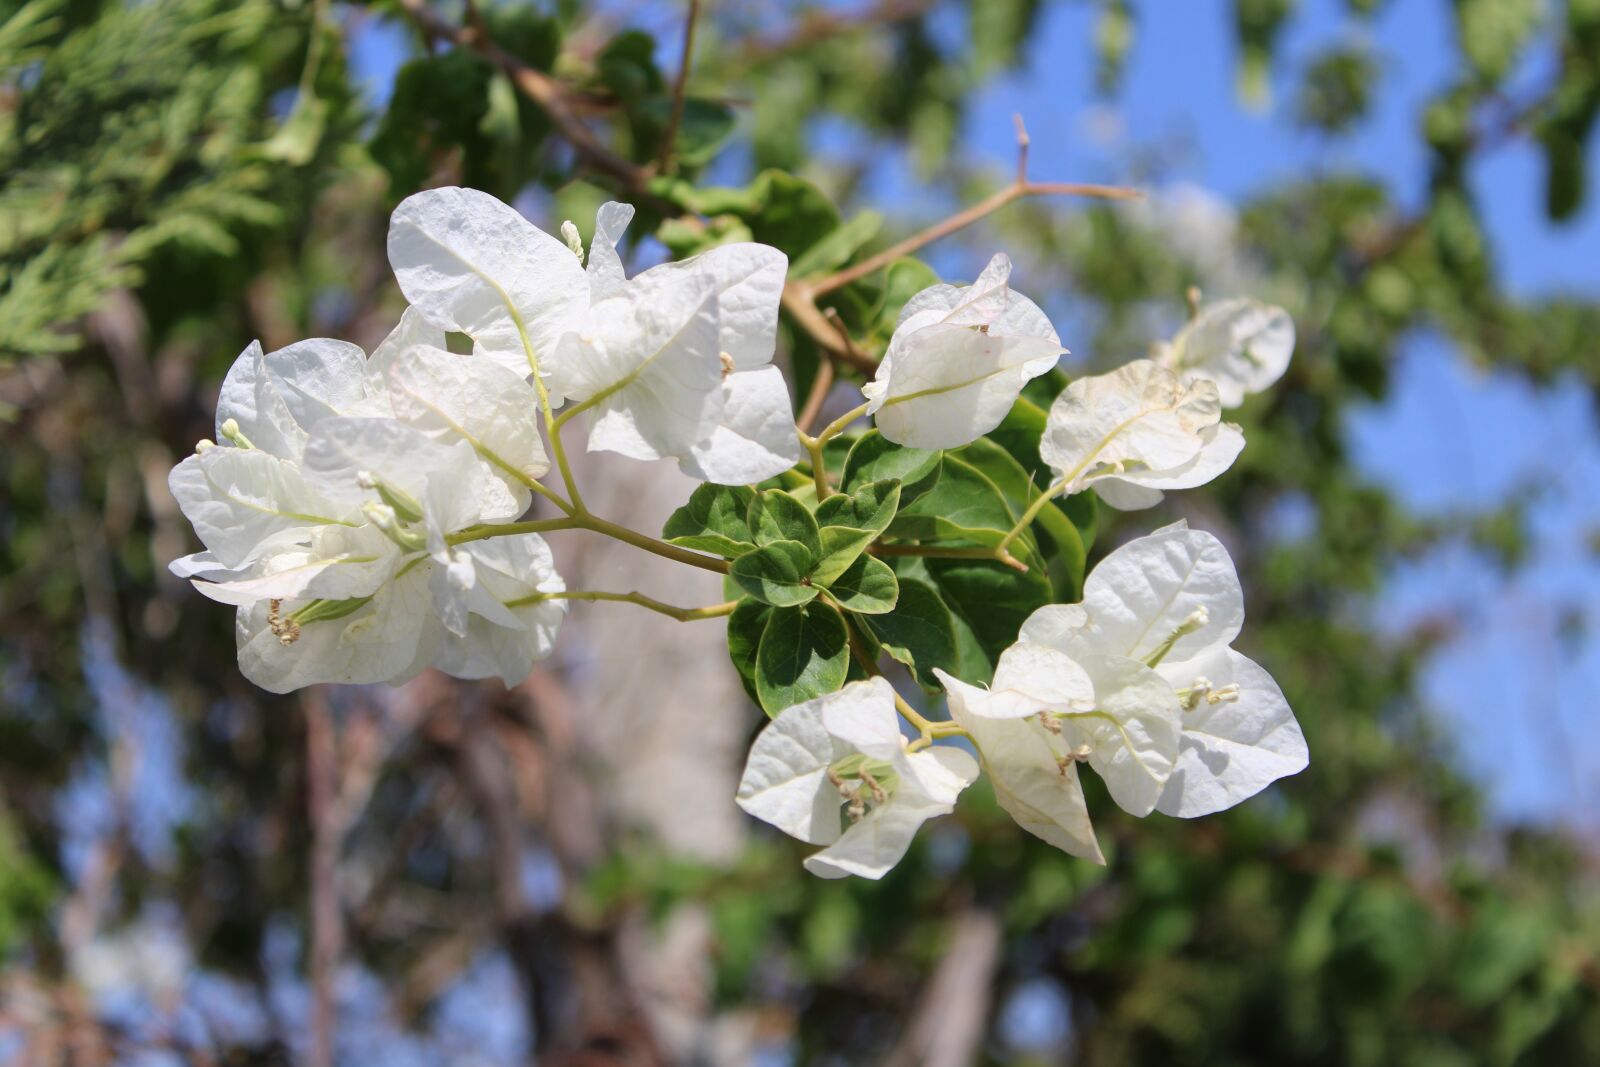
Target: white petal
(1133, 734)
(387, 640)
(250, 398)
(468, 398)
(238, 497)
(862, 717)
(1139, 417)
(747, 281)
(1042, 795)
(946, 385)
(929, 784)
(756, 438)
(606, 277)
(785, 780)
(506, 641)
(1231, 750)
(475, 266)
(1144, 591)
(413, 329)
(1242, 345)
(326, 563)
(318, 378)
(651, 363)
(198, 565)
(450, 477)
(1220, 445)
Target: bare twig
(961, 220)
(818, 396)
(537, 86)
(679, 88)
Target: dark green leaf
(804, 653)
(776, 573)
(868, 586)
(850, 522)
(873, 459)
(964, 507)
(776, 515)
(993, 600)
(918, 633)
(835, 250)
(716, 519)
(745, 627)
(1063, 540)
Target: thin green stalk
(509, 529)
(713, 611)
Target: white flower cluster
(1138, 681)
(340, 486)
(362, 513)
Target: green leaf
(902, 280)
(705, 127)
(868, 586)
(835, 250)
(716, 519)
(850, 522)
(783, 210)
(964, 507)
(627, 67)
(777, 573)
(779, 516)
(804, 653)
(745, 627)
(1064, 542)
(993, 600)
(874, 459)
(918, 633)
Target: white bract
(958, 360)
(336, 548)
(1242, 345)
(676, 362)
(845, 750)
(1137, 431)
(1138, 681)
(356, 512)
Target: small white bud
(204, 445)
(230, 430)
(365, 480)
(574, 241)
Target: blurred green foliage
(183, 175)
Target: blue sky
(1513, 687)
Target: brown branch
(817, 397)
(801, 305)
(679, 88)
(543, 90)
(1017, 190)
(818, 25)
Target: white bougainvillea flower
(511, 623)
(676, 362)
(1048, 711)
(322, 563)
(1242, 345)
(468, 398)
(958, 360)
(1171, 601)
(845, 750)
(472, 264)
(387, 637)
(236, 498)
(356, 461)
(1136, 431)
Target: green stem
(509, 529)
(587, 521)
(937, 552)
(714, 611)
(1039, 504)
(819, 470)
